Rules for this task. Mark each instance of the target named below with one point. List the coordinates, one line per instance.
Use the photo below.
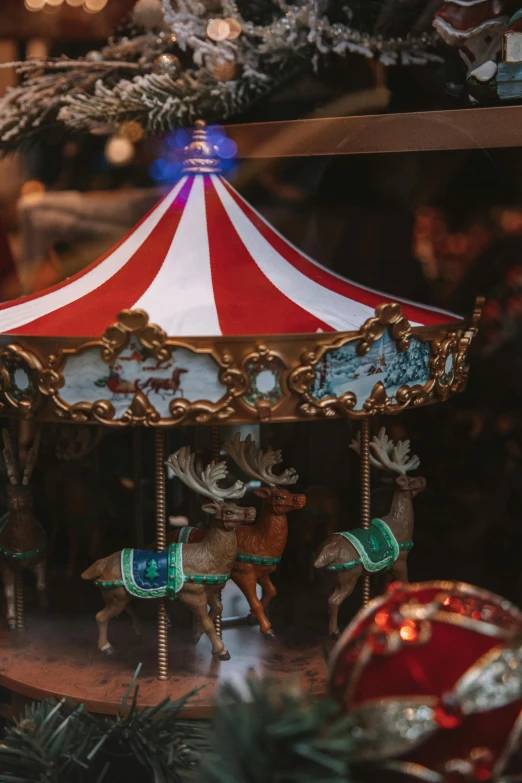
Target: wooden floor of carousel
(56, 655)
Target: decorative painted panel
(186, 375)
(343, 370)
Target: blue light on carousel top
(186, 152)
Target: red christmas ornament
(432, 674)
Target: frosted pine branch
(120, 84)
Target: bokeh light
(34, 5)
(226, 148)
(168, 167)
(94, 5)
(119, 151)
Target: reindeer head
(259, 465)
(206, 482)
(394, 458)
(18, 479)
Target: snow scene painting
(186, 375)
(343, 370)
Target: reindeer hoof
(335, 634)
(269, 635)
(108, 650)
(11, 625)
(252, 619)
(168, 622)
(225, 656)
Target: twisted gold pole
(161, 545)
(19, 600)
(218, 624)
(365, 494)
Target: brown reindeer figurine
(22, 538)
(387, 542)
(261, 546)
(192, 572)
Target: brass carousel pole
(365, 494)
(161, 545)
(215, 456)
(16, 435)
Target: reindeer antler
(207, 481)
(10, 459)
(387, 455)
(257, 463)
(32, 456)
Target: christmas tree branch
(177, 70)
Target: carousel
(205, 315)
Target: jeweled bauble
(223, 70)
(167, 64)
(432, 675)
(218, 30)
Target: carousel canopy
(204, 262)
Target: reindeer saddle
(377, 548)
(150, 574)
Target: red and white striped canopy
(204, 263)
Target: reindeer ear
(210, 508)
(263, 492)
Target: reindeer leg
(116, 600)
(40, 571)
(197, 603)
(8, 579)
(344, 588)
(135, 619)
(269, 590)
(216, 609)
(246, 581)
(215, 603)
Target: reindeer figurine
(387, 542)
(194, 573)
(22, 538)
(260, 546)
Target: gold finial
(200, 155)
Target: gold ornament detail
(223, 70)
(300, 357)
(223, 30)
(234, 29)
(218, 30)
(167, 64)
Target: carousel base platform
(57, 656)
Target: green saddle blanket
(377, 547)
